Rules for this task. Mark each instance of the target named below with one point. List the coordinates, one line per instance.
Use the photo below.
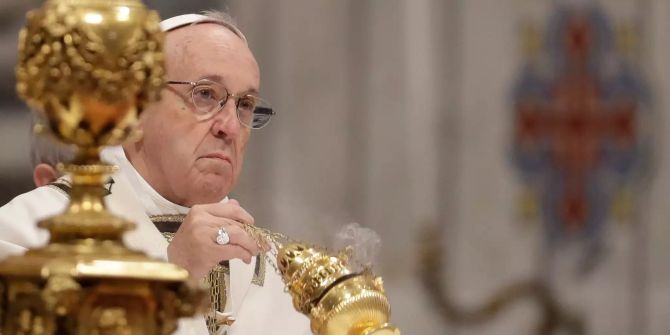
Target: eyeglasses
(209, 98)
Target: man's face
(189, 161)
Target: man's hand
(194, 244)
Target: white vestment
(258, 310)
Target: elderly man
(174, 181)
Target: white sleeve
(19, 217)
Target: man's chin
(208, 193)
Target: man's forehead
(206, 40)
(208, 51)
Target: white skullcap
(191, 19)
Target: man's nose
(225, 123)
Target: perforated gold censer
(88, 66)
(337, 299)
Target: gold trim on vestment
(167, 218)
(218, 281)
(259, 271)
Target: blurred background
(510, 153)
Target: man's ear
(44, 174)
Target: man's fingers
(236, 233)
(230, 251)
(230, 211)
(233, 202)
(217, 222)
(239, 236)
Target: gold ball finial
(90, 66)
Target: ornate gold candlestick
(89, 66)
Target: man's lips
(219, 155)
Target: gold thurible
(89, 66)
(323, 286)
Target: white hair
(225, 19)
